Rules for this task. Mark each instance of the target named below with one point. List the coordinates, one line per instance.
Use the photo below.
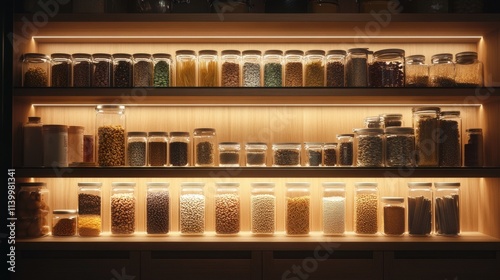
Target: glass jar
(335, 63)
(230, 69)
(314, 153)
(60, 71)
(179, 148)
(297, 208)
(204, 140)
(89, 208)
(394, 215)
(190, 6)
(368, 6)
(286, 6)
(286, 154)
(442, 70)
(293, 68)
(208, 68)
(263, 208)
(473, 149)
(356, 67)
(36, 69)
(432, 6)
(162, 70)
(346, 149)
(185, 68)
(102, 70)
(229, 154)
(450, 147)
(143, 70)
(192, 209)
(251, 68)
(416, 71)
(110, 124)
(468, 6)
(82, 70)
(334, 208)
(370, 147)
(390, 120)
(227, 208)
(273, 68)
(150, 6)
(330, 154)
(366, 208)
(323, 6)
(256, 153)
(157, 148)
(399, 146)
(157, 208)
(88, 148)
(137, 148)
(426, 125)
(231, 6)
(32, 210)
(374, 122)
(314, 75)
(33, 142)
(64, 222)
(123, 206)
(55, 145)
(388, 68)
(122, 70)
(469, 70)
(419, 208)
(89, 6)
(447, 213)
(75, 144)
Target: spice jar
(314, 68)
(32, 210)
(447, 213)
(231, 6)
(426, 125)
(64, 222)
(373, 122)
(157, 208)
(192, 209)
(88, 148)
(162, 70)
(442, 70)
(356, 68)
(366, 208)
(55, 145)
(82, 70)
(36, 69)
(157, 148)
(137, 148)
(227, 208)
(346, 149)
(370, 147)
(256, 153)
(273, 68)
(185, 68)
(394, 215)
(122, 70)
(204, 141)
(143, 70)
(469, 70)
(263, 208)
(314, 153)
(333, 208)
(208, 68)
(179, 148)
(229, 154)
(251, 68)
(286, 154)
(123, 205)
(110, 124)
(330, 154)
(323, 6)
(368, 6)
(293, 68)
(335, 63)
(450, 147)
(473, 149)
(297, 208)
(389, 120)
(400, 146)
(89, 208)
(102, 70)
(388, 68)
(189, 6)
(33, 142)
(75, 144)
(60, 71)
(230, 69)
(419, 208)
(416, 71)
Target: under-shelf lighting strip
(261, 105)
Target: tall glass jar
(356, 67)
(442, 70)
(447, 213)
(469, 70)
(137, 148)
(399, 146)
(346, 149)
(178, 146)
(208, 68)
(333, 208)
(416, 71)
(330, 154)
(389, 120)
(143, 70)
(323, 6)
(256, 153)
(450, 146)
(60, 71)
(102, 70)
(110, 124)
(89, 208)
(314, 75)
(229, 154)
(162, 70)
(185, 68)
(286, 154)
(273, 68)
(157, 208)
(314, 153)
(192, 209)
(82, 70)
(394, 215)
(263, 208)
(75, 144)
(36, 69)
(419, 208)
(426, 125)
(388, 68)
(227, 208)
(366, 208)
(230, 69)
(122, 70)
(370, 147)
(204, 141)
(64, 222)
(33, 142)
(473, 149)
(335, 64)
(252, 60)
(123, 207)
(157, 148)
(32, 210)
(297, 208)
(294, 75)
(55, 145)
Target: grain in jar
(297, 208)
(89, 208)
(60, 70)
(366, 208)
(178, 148)
(227, 208)
(185, 68)
(157, 148)
(36, 69)
(273, 68)
(162, 70)
(251, 71)
(110, 124)
(469, 70)
(82, 70)
(369, 147)
(230, 68)
(333, 208)
(64, 222)
(416, 71)
(286, 154)
(335, 64)
(447, 208)
(33, 142)
(204, 141)
(256, 153)
(399, 146)
(143, 70)
(123, 207)
(294, 75)
(102, 70)
(208, 68)
(394, 215)
(122, 70)
(426, 125)
(157, 208)
(137, 148)
(442, 70)
(32, 210)
(55, 145)
(419, 205)
(263, 208)
(192, 209)
(229, 154)
(450, 144)
(314, 75)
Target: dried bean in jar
(384, 74)
(293, 74)
(102, 74)
(157, 209)
(297, 215)
(192, 213)
(263, 213)
(449, 144)
(157, 153)
(334, 74)
(315, 158)
(346, 154)
(81, 74)
(400, 150)
(122, 214)
(370, 151)
(111, 150)
(64, 227)
(330, 157)
(143, 74)
(230, 74)
(136, 153)
(356, 72)
(366, 217)
(35, 77)
(315, 74)
(227, 213)
(251, 74)
(162, 74)
(123, 74)
(61, 75)
(204, 153)
(89, 204)
(178, 153)
(286, 157)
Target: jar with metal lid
(263, 208)
(368, 6)
(426, 125)
(122, 70)
(185, 68)
(60, 70)
(33, 142)
(442, 70)
(447, 213)
(387, 68)
(230, 69)
(294, 68)
(324, 6)
(370, 147)
(137, 148)
(314, 75)
(419, 208)
(314, 153)
(273, 68)
(102, 70)
(110, 124)
(89, 208)
(55, 145)
(252, 60)
(389, 120)
(399, 146)
(149, 6)
(64, 222)
(178, 146)
(366, 208)
(231, 6)
(468, 6)
(229, 154)
(373, 122)
(162, 70)
(143, 70)
(32, 210)
(330, 151)
(208, 68)
(82, 70)
(285, 6)
(346, 149)
(469, 70)
(75, 144)
(286, 154)
(157, 148)
(356, 67)
(204, 140)
(416, 71)
(36, 69)
(450, 147)
(473, 149)
(256, 153)
(298, 208)
(88, 148)
(123, 207)
(192, 209)
(227, 208)
(333, 208)
(157, 208)
(335, 64)
(190, 6)
(394, 215)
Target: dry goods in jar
(192, 213)
(227, 213)
(333, 215)
(297, 215)
(122, 213)
(157, 208)
(111, 151)
(366, 218)
(263, 213)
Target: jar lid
(89, 184)
(372, 119)
(230, 52)
(273, 52)
(251, 52)
(263, 184)
(142, 55)
(447, 185)
(336, 52)
(102, 108)
(137, 134)
(82, 55)
(315, 52)
(32, 184)
(34, 119)
(55, 128)
(345, 135)
(227, 184)
(185, 52)
(294, 52)
(207, 52)
(229, 144)
(193, 184)
(256, 144)
(369, 131)
(333, 184)
(286, 144)
(61, 55)
(393, 199)
(391, 116)
(450, 113)
(465, 54)
(158, 134)
(426, 109)
(389, 53)
(179, 134)
(204, 129)
(157, 184)
(123, 184)
(292, 185)
(442, 56)
(415, 59)
(399, 130)
(419, 184)
(122, 55)
(365, 184)
(474, 130)
(313, 143)
(162, 55)
(359, 50)
(330, 144)
(64, 211)
(102, 55)
(36, 55)
(75, 128)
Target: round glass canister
(335, 64)
(294, 75)
(442, 70)
(227, 208)
(473, 149)
(426, 125)
(273, 68)
(263, 208)
(32, 210)
(123, 206)
(469, 70)
(229, 154)
(230, 69)
(450, 146)
(447, 213)
(252, 60)
(60, 71)
(298, 203)
(122, 70)
(110, 124)
(162, 70)
(416, 71)
(157, 148)
(419, 208)
(286, 154)
(256, 153)
(334, 208)
(399, 146)
(137, 148)
(143, 70)
(370, 147)
(394, 215)
(389, 120)
(314, 153)
(314, 75)
(323, 6)
(388, 68)
(89, 208)
(178, 147)
(192, 209)
(75, 144)
(208, 68)
(374, 122)
(36, 69)
(55, 145)
(64, 222)
(185, 68)
(102, 70)
(366, 208)
(82, 70)
(346, 149)
(157, 208)
(356, 67)
(330, 151)
(33, 142)
(204, 140)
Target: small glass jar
(64, 222)
(294, 75)
(370, 147)
(394, 215)
(230, 69)
(185, 68)
(227, 208)
(324, 6)
(36, 69)
(256, 154)
(122, 70)
(88, 148)
(330, 151)
(416, 71)
(314, 154)
(450, 146)
(442, 70)
(123, 206)
(335, 64)
(286, 154)
(314, 75)
(82, 70)
(447, 213)
(32, 210)
(366, 208)
(110, 124)
(162, 70)
(419, 208)
(469, 70)
(231, 6)
(252, 60)
(178, 146)
(143, 70)
(368, 6)
(426, 125)
(33, 142)
(334, 208)
(102, 70)
(356, 67)
(374, 122)
(346, 149)
(55, 145)
(273, 68)
(204, 140)
(60, 71)
(137, 148)
(89, 208)
(208, 68)
(263, 208)
(390, 120)
(157, 148)
(75, 144)
(297, 208)
(399, 146)
(473, 149)
(157, 208)
(192, 209)
(388, 68)
(229, 154)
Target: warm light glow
(264, 105)
(251, 37)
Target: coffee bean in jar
(122, 70)
(82, 70)
(102, 70)
(61, 70)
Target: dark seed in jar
(449, 144)
(143, 74)
(81, 74)
(356, 72)
(229, 157)
(204, 153)
(122, 214)
(314, 158)
(426, 142)
(315, 74)
(273, 75)
(178, 153)
(158, 212)
(157, 153)
(387, 74)
(136, 153)
(286, 157)
(251, 74)
(256, 158)
(230, 74)
(334, 74)
(399, 150)
(102, 74)
(370, 151)
(293, 74)
(330, 157)
(35, 77)
(61, 75)
(346, 153)
(123, 74)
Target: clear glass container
(369, 147)
(368, 6)
(229, 154)
(192, 209)
(102, 70)
(60, 70)
(333, 208)
(89, 208)
(346, 149)
(137, 148)
(330, 154)
(366, 208)
(473, 149)
(297, 208)
(447, 213)
(157, 148)
(64, 222)
(88, 148)
(314, 73)
(314, 153)
(324, 6)
(204, 141)
(450, 144)
(230, 68)
(75, 144)
(335, 64)
(416, 71)
(442, 70)
(263, 208)
(399, 146)
(110, 124)
(356, 67)
(227, 208)
(387, 68)
(208, 68)
(123, 207)
(157, 208)
(426, 125)
(394, 215)
(469, 70)
(420, 208)
(286, 154)
(294, 76)
(374, 122)
(162, 70)
(82, 70)
(32, 210)
(122, 70)
(256, 154)
(33, 142)
(55, 145)
(273, 68)
(252, 60)
(185, 68)
(36, 69)
(389, 120)
(178, 148)
(231, 6)
(143, 70)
